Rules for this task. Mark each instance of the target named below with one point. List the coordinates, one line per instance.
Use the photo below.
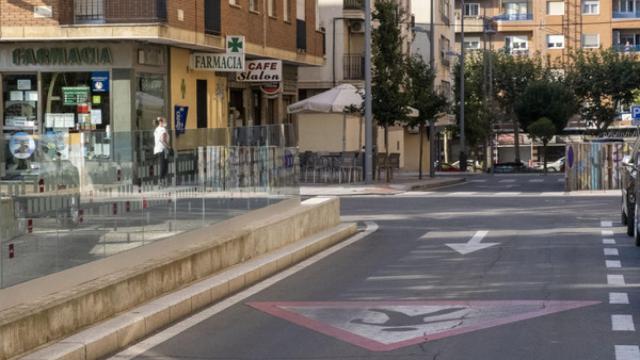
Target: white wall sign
(218, 62)
(262, 71)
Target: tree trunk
(421, 141)
(386, 149)
(516, 139)
(544, 153)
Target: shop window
(76, 101)
(150, 104)
(20, 94)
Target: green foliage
(543, 129)
(603, 80)
(547, 98)
(389, 100)
(422, 95)
(512, 75)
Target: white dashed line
(507, 181)
(606, 224)
(607, 233)
(619, 298)
(613, 264)
(608, 241)
(561, 180)
(627, 352)
(398, 277)
(622, 323)
(611, 252)
(536, 180)
(616, 280)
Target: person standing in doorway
(161, 148)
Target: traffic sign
(635, 115)
(390, 325)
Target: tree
(423, 97)
(545, 130)
(547, 98)
(603, 80)
(512, 75)
(389, 101)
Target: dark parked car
(510, 167)
(627, 185)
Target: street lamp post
(368, 111)
(463, 150)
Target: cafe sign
(232, 60)
(62, 56)
(262, 71)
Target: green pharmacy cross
(235, 44)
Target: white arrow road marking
(473, 245)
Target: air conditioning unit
(356, 26)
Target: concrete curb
(427, 186)
(388, 190)
(125, 329)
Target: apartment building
(115, 65)
(550, 28)
(444, 39)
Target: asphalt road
(547, 280)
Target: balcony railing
(517, 52)
(119, 11)
(354, 4)
(514, 17)
(354, 67)
(626, 15)
(626, 48)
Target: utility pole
(368, 111)
(463, 150)
(432, 63)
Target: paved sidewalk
(400, 184)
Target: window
(591, 7)
(626, 6)
(516, 43)
(285, 10)
(472, 43)
(516, 9)
(445, 46)
(20, 102)
(444, 8)
(555, 7)
(555, 41)
(253, 5)
(271, 8)
(472, 9)
(591, 41)
(234, 2)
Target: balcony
(353, 67)
(626, 48)
(626, 15)
(514, 17)
(353, 5)
(119, 11)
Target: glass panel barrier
(70, 198)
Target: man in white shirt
(161, 147)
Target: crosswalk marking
(608, 241)
(622, 323)
(507, 181)
(611, 252)
(627, 352)
(536, 180)
(618, 298)
(613, 264)
(616, 280)
(606, 224)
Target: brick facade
(258, 28)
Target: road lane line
(608, 241)
(607, 233)
(606, 224)
(618, 298)
(627, 352)
(561, 180)
(616, 280)
(478, 181)
(536, 180)
(507, 181)
(178, 328)
(398, 277)
(622, 323)
(611, 252)
(613, 264)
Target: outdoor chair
(347, 166)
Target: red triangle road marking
(390, 325)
